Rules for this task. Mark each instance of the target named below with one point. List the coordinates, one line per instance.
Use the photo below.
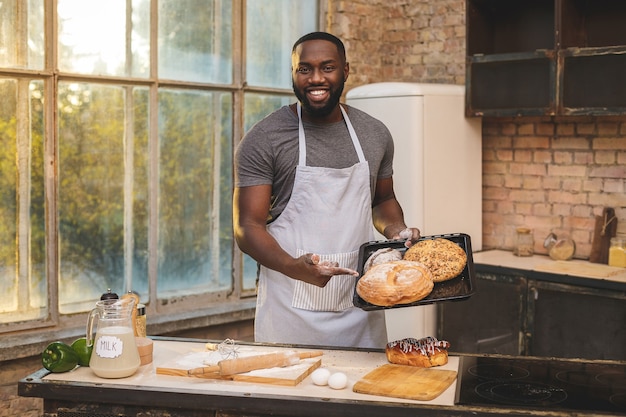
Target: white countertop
(355, 364)
(543, 263)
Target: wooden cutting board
(605, 228)
(408, 382)
(286, 376)
(581, 269)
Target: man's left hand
(411, 234)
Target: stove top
(561, 384)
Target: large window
(117, 138)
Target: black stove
(543, 383)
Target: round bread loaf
(425, 352)
(444, 258)
(382, 256)
(397, 282)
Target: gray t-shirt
(268, 153)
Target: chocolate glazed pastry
(426, 352)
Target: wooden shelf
(513, 84)
(499, 27)
(545, 57)
(593, 81)
(591, 23)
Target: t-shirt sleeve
(253, 159)
(386, 165)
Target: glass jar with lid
(524, 242)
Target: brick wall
(553, 175)
(394, 40)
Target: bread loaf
(424, 353)
(397, 282)
(444, 258)
(382, 256)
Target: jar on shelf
(524, 243)
(617, 252)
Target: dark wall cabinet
(545, 57)
(514, 315)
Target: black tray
(458, 288)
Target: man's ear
(346, 72)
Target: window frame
(172, 314)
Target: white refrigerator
(437, 171)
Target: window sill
(22, 345)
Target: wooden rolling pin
(250, 363)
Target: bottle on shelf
(617, 252)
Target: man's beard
(323, 111)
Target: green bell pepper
(59, 357)
(82, 350)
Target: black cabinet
(574, 322)
(514, 315)
(545, 57)
(490, 321)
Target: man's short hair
(322, 36)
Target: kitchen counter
(543, 268)
(81, 393)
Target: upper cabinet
(546, 57)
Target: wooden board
(286, 376)
(408, 382)
(581, 269)
(605, 228)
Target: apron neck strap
(302, 141)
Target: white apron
(329, 213)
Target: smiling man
(313, 179)
(319, 73)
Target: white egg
(320, 376)
(338, 380)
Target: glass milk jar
(115, 353)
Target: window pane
(102, 191)
(272, 28)
(257, 106)
(195, 40)
(105, 178)
(21, 34)
(195, 192)
(22, 231)
(93, 33)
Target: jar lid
(523, 230)
(109, 295)
(141, 309)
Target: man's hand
(320, 272)
(411, 234)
